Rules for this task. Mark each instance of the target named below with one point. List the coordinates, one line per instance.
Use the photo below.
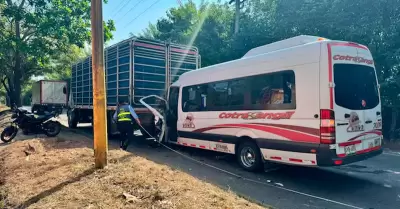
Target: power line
(120, 3)
(140, 1)
(142, 12)
(123, 6)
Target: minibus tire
(246, 161)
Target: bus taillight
(327, 127)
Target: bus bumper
(329, 158)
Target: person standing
(124, 116)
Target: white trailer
(49, 96)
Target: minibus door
(172, 114)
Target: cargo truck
(48, 96)
(134, 68)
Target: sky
(132, 16)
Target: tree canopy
(33, 33)
(209, 26)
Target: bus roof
(267, 53)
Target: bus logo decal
(188, 123)
(256, 115)
(354, 59)
(354, 123)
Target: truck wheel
(72, 122)
(249, 156)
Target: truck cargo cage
(134, 68)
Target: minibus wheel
(249, 156)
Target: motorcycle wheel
(9, 134)
(52, 128)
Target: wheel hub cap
(248, 156)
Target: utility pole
(238, 5)
(99, 98)
(237, 15)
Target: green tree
(61, 66)
(151, 32)
(374, 23)
(32, 32)
(204, 26)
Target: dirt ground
(2, 108)
(58, 173)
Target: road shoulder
(58, 173)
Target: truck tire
(72, 120)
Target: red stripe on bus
(200, 130)
(296, 160)
(276, 158)
(343, 144)
(330, 76)
(184, 144)
(292, 135)
(201, 146)
(193, 145)
(377, 132)
(308, 130)
(368, 150)
(351, 45)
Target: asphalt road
(374, 183)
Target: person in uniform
(124, 116)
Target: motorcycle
(30, 123)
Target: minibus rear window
(353, 84)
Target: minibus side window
(194, 98)
(272, 91)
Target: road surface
(372, 184)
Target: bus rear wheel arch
(248, 155)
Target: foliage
(61, 67)
(33, 32)
(374, 23)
